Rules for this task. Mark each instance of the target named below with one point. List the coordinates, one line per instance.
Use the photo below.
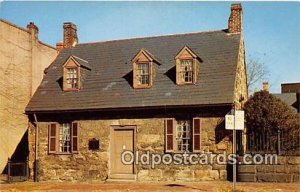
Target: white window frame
(64, 145)
(72, 78)
(183, 138)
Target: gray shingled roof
(109, 82)
(82, 62)
(290, 99)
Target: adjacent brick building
(290, 88)
(163, 94)
(22, 64)
(290, 94)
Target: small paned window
(187, 67)
(186, 71)
(183, 136)
(143, 74)
(65, 138)
(143, 71)
(72, 78)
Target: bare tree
(256, 73)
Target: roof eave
(28, 112)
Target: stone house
(23, 58)
(164, 94)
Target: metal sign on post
(239, 117)
(234, 122)
(229, 122)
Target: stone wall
(148, 141)
(241, 89)
(287, 169)
(241, 92)
(86, 165)
(94, 165)
(22, 64)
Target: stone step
(122, 176)
(120, 180)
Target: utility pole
(234, 152)
(234, 121)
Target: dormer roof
(186, 52)
(144, 55)
(78, 61)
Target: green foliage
(265, 113)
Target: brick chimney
(70, 35)
(33, 29)
(265, 86)
(235, 19)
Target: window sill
(186, 83)
(142, 87)
(179, 152)
(71, 90)
(73, 153)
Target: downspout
(36, 149)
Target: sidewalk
(153, 186)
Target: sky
(271, 29)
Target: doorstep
(121, 178)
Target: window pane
(64, 138)
(186, 71)
(72, 78)
(183, 135)
(143, 73)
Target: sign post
(234, 152)
(234, 122)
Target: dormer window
(72, 70)
(186, 71)
(72, 78)
(143, 74)
(187, 64)
(143, 69)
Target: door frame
(111, 143)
